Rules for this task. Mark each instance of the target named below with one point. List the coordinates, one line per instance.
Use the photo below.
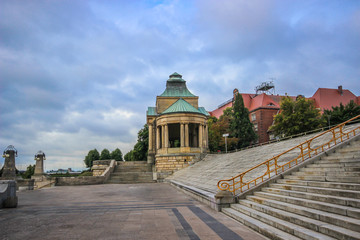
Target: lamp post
(225, 135)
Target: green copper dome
(176, 87)
(182, 106)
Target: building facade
(262, 107)
(178, 131)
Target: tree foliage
(240, 124)
(117, 155)
(217, 127)
(29, 171)
(92, 155)
(340, 114)
(296, 117)
(105, 154)
(140, 151)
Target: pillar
(200, 136)
(9, 172)
(39, 165)
(182, 136)
(150, 137)
(186, 135)
(158, 137)
(162, 136)
(166, 136)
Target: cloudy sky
(79, 75)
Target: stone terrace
(205, 174)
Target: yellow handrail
(274, 166)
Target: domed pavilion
(178, 131)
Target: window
(253, 116)
(255, 127)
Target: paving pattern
(116, 211)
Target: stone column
(9, 172)
(200, 136)
(150, 137)
(39, 166)
(158, 137)
(206, 137)
(182, 136)
(166, 136)
(186, 135)
(162, 136)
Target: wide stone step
(303, 221)
(324, 178)
(339, 160)
(330, 173)
(283, 225)
(335, 165)
(329, 169)
(319, 190)
(336, 185)
(323, 206)
(124, 170)
(264, 229)
(338, 220)
(127, 182)
(132, 173)
(317, 197)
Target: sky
(77, 75)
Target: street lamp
(225, 135)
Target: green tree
(140, 151)
(340, 114)
(92, 155)
(296, 117)
(105, 154)
(129, 156)
(240, 124)
(29, 171)
(117, 155)
(217, 127)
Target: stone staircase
(320, 201)
(132, 172)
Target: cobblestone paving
(116, 211)
(206, 173)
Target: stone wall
(87, 180)
(25, 184)
(8, 198)
(172, 163)
(83, 180)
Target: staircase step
(265, 229)
(322, 173)
(323, 206)
(283, 225)
(302, 221)
(330, 169)
(345, 201)
(319, 190)
(336, 185)
(335, 165)
(339, 160)
(325, 178)
(339, 220)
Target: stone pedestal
(8, 198)
(223, 199)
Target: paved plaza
(116, 211)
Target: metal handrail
(275, 166)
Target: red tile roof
(326, 98)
